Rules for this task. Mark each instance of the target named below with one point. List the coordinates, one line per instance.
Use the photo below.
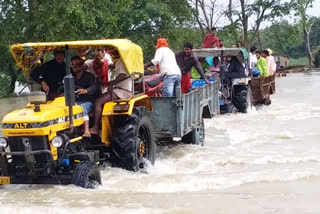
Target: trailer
(235, 80)
(182, 116)
(262, 88)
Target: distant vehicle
(235, 90)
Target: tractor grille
(17, 144)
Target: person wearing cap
(165, 58)
(186, 60)
(211, 39)
(50, 75)
(272, 66)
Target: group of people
(105, 78)
(98, 80)
(175, 67)
(262, 63)
(178, 68)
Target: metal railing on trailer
(180, 115)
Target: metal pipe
(69, 89)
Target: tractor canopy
(28, 55)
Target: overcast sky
(222, 4)
(315, 11)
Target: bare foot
(86, 134)
(94, 131)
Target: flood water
(266, 161)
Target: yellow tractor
(43, 142)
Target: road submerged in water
(266, 161)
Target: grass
(299, 61)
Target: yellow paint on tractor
(24, 122)
(108, 113)
(52, 118)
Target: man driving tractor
(87, 89)
(50, 74)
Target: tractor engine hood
(53, 117)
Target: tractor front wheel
(87, 175)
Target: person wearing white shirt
(165, 58)
(119, 86)
(253, 58)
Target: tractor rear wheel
(133, 140)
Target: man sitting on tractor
(119, 87)
(51, 74)
(99, 66)
(87, 89)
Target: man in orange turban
(162, 42)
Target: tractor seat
(153, 80)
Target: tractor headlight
(57, 141)
(3, 142)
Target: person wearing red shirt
(99, 67)
(211, 39)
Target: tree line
(144, 21)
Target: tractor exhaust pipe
(69, 89)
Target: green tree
(260, 10)
(142, 21)
(315, 33)
(13, 20)
(301, 7)
(280, 36)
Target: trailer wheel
(196, 136)
(239, 98)
(86, 175)
(267, 101)
(133, 140)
